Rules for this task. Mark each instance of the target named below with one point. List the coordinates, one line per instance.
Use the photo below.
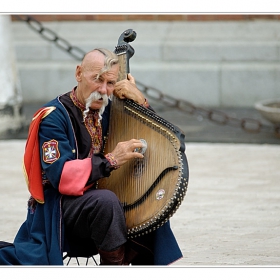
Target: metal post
(11, 118)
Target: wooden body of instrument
(150, 189)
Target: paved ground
(230, 215)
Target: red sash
(31, 160)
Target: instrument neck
(123, 64)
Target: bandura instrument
(150, 189)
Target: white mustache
(96, 96)
(93, 97)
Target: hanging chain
(51, 36)
(247, 124)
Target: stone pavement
(229, 217)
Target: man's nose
(103, 88)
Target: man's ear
(78, 73)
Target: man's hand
(124, 151)
(127, 89)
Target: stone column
(11, 118)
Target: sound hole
(138, 167)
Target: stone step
(209, 63)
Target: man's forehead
(96, 70)
(112, 73)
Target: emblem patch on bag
(50, 151)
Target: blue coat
(40, 239)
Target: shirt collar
(76, 101)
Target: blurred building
(210, 60)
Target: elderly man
(63, 161)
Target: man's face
(86, 76)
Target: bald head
(100, 55)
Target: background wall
(210, 60)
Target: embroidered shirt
(88, 130)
